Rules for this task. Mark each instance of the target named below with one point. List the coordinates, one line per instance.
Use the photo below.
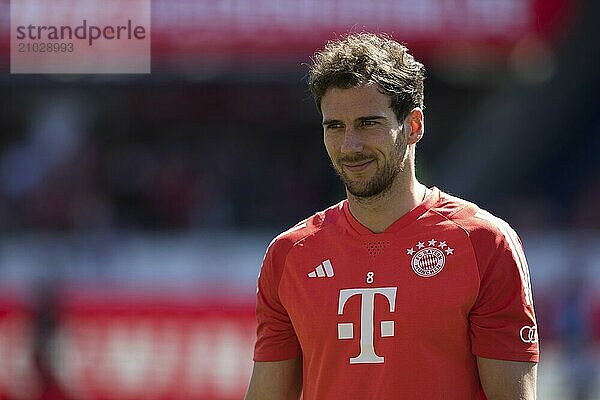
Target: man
(400, 291)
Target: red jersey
(397, 314)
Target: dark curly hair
(363, 58)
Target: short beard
(383, 180)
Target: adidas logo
(325, 269)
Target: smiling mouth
(358, 166)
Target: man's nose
(352, 141)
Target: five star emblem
(431, 243)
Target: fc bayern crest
(428, 260)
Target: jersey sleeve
(276, 339)
(502, 320)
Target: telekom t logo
(346, 330)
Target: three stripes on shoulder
(325, 269)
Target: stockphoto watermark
(52, 34)
(80, 36)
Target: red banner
(286, 28)
(127, 349)
(196, 32)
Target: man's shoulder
(310, 226)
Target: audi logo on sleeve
(529, 334)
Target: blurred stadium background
(135, 209)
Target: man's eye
(334, 126)
(368, 123)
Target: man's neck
(377, 213)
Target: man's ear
(414, 119)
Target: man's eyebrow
(370, 117)
(367, 118)
(330, 121)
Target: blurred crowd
(72, 169)
(223, 157)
